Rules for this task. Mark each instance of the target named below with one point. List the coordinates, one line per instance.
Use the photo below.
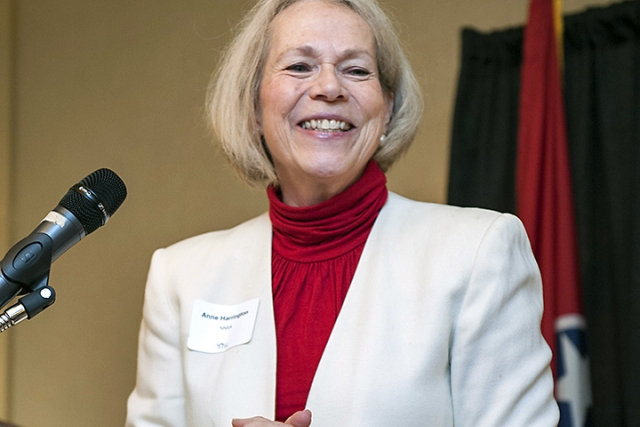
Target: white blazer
(440, 327)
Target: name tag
(215, 328)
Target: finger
(236, 422)
(241, 422)
(300, 419)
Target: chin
(331, 171)
(326, 167)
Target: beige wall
(6, 65)
(120, 84)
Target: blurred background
(121, 84)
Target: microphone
(87, 206)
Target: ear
(258, 114)
(389, 110)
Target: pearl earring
(383, 137)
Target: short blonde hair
(233, 95)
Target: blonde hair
(233, 95)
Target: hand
(299, 419)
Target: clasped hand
(299, 419)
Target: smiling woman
(235, 91)
(367, 309)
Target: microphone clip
(25, 270)
(26, 267)
(27, 307)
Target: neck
(312, 191)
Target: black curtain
(485, 125)
(602, 97)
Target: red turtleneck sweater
(315, 254)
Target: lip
(326, 134)
(327, 117)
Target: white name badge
(215, 328)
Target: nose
(327, 85)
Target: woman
(345, 303)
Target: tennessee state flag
(545, 205)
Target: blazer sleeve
(500, 373)
(158, 397)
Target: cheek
(265, 102)
(382, 106)
(278, 98)
(374, 104)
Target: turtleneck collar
(331, 228)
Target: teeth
(326, 125)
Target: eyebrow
(308, 50)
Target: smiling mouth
(326, 125)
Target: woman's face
(322, 109)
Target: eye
(358, 73)
(298, 68)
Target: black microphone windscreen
(93, 210)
